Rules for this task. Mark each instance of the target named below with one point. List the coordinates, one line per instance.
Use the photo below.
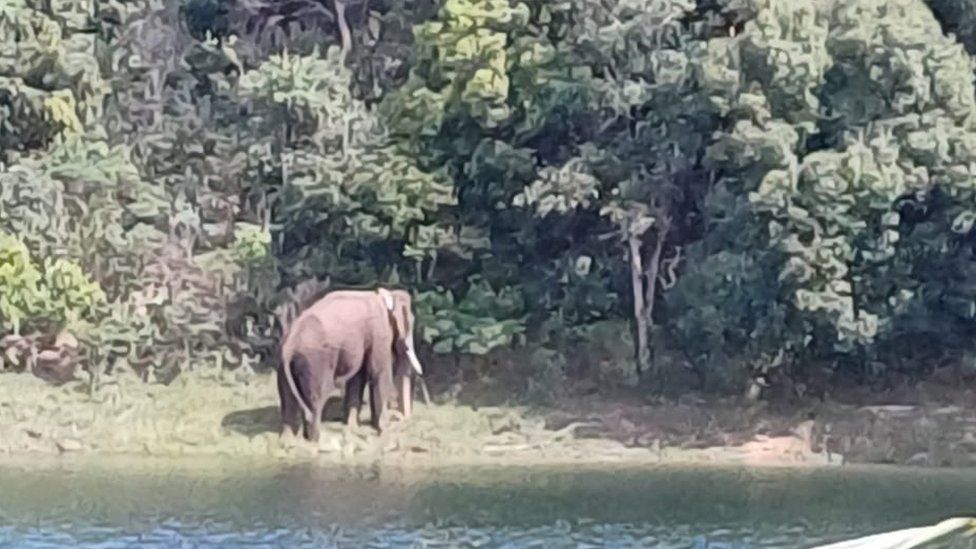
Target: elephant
(405, 365)
(342, 341)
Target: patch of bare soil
(236, 415)
(931, 423)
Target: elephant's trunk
(286, 356)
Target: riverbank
(233, 415)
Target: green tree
(638, 162)
(836, 116)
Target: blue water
(233, 504)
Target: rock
(69, 445)
(215, 235)
(644, 440)
(16, 351)
(48, 355)
(947, 410)
(330, 444)
(891, 409)
(57, 365)
(921, 458)
(66, 339)
(804, 431)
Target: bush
(607, 350)
(545, 375)
(484, 319)
(21, 297)
(47, 297)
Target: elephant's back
(336, 319)
(350, 304)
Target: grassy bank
(235, 415)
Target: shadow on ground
(254, 421)
(267, 419)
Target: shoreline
(224, 417)
(136, 464)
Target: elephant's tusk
(415, 362)
(424, 391)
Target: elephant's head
(400, 308)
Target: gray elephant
(343, 341)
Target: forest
(715, 195)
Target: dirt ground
(233, 414)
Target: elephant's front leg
(405, 388)
(353, 401)
(380, 392)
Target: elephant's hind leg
(302, 372)
(319, 378)
(291, 413)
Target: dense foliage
(745, 184)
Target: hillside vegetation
(665, 195)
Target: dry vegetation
(236, 414)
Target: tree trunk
(95, 373)
(346, 38)
(642, 349)
(643, 281)
(650, 279)
(431, 266)
(345, 35)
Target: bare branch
(669, 278)
(345, 35)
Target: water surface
(119, 503)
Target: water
(236, 504)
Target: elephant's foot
(312, 433)
(352, 419)
(406, 397)
(289, 428)
(289, 439)
(395, 415)
(381, 424)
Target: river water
(104, 503)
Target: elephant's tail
(287, 354)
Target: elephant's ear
(403, 334)
(387, 299)
(405, 314)
(390, 303)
